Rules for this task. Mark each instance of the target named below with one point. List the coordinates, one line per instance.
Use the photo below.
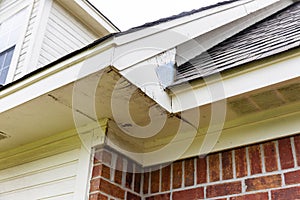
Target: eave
(131, 58)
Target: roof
(278, 33)
(105, 38)
(180, 15)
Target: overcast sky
(126, 14)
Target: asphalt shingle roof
(275, 34)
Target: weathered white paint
(128, 53)
(57, 76)
(140, 45)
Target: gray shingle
(275, 34)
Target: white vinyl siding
(64, 34)
(25, 46)
(49, 178)
(4, 4)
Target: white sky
(126, 14)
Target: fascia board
(93, 18)
(145, 32)
(134, 49)
(167, 35)
(97, 16)
(63, 73)
(235, 84)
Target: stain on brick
(297, 148)
(214, 167)
(159, 197)
(111, 189)
(177, 174)
(166, 178)
(103, 156)
(241, 162)
(146, 183)
(255, 159)
(95, 184)
(191, 194)
(258, 196)
(287, 193)
(98, 197)
(201, 170)
(155, 180)
(137, 182)
(101, 170)
(270, 156)
(118, 170)
(189, 170)
(224, 189)
(264, 182)
(131, 196)
(285, 153)
(227, 170)
(292, 177)
(129, 175)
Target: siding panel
(50, 178)
(64, 34)
(28, 35)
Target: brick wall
(269, 170)
(114, 177)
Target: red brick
(292, 177)
(98, 197)
(94, 186)
(264, 182)
(201, 170)
(155, 180)
(118, 170)
(241, 162)
(214, 167)
(177, 174)
(258, 196)
(101, 170)
(287, 193)
(166, 178)
(131, 196)
(146, 183)
(102, 197)
(103, 156)
(111, 189)
(270, 156)
(227, 170)
(219, 190)
(297, 148)
(159, 197)
(191, 194)
(129, 176)
(255, 159)
(285, 153)
(189, 170)
(137, 182)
